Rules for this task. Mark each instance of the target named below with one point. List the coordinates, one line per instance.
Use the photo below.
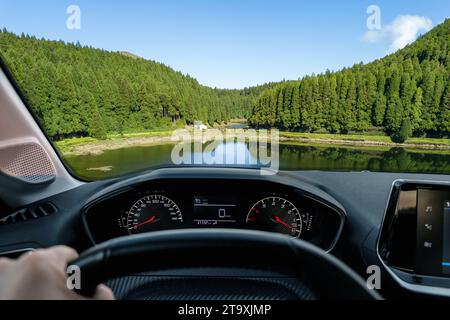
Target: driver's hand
(41, 275)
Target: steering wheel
(276, 266)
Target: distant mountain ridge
(130, 55)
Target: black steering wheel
(276, 266)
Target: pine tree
(445, 110)
(295, 109)
(404, 132)
(416, 110)
(394, 110)
(379, 110)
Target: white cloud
(404, 30)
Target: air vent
(30, 213)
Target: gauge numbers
(152, 213)
(276, 214)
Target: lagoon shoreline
(90, 146)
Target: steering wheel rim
(195, 248)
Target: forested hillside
(82, 91)
(408, 91)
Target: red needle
(277, 219)
(152, 219)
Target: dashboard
(363, 218)
(178, 204)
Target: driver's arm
(41, 275)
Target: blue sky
(231, 43)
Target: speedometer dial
(152, 213)
(276, 214)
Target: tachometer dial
(276, 214)
(151, 213)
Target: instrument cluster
(181, 204)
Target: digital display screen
(433, 232)
(446, 237)
(214, 211)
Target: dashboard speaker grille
(27, 162)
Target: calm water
(292, 157)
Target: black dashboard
(207, 203)
(358, 217)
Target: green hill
(82, 91)
(407, 92)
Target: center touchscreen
(446, 244)
(433, 232)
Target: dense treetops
(404, 93)
(82, 91)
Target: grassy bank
(78, 146)
(366, 139)
(69, 146)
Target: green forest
(404, 94)
(79, 91)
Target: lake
(291, 157)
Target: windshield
(121, 87)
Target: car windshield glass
(125, 86)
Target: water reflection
(292, 157)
